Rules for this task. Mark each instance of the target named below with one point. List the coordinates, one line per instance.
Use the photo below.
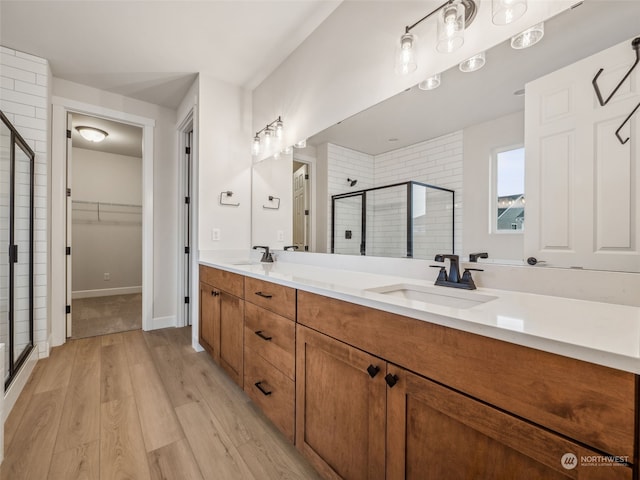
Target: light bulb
(279, 128)
(505, 12)
(268, 134)
(474, 63)
(255, 147)
(529, 37)
(451, 27)
(430, 83)
(406, 57)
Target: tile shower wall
(24, 99)
(436, 162)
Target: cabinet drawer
(271, 390)
(274, 297)
(589, 403)
(227, 281)
(271, 336)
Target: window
(509, 190)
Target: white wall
(480, 141)
(224, 164)
(165, 187)
(347, 63)
(109, 241)
(24, 98)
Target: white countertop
(601, 333)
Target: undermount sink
(447, 297)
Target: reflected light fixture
(504, 12)
(529, 37)
(454, 16)
(92, 134)
(301, 144)
(473, 63)
(430, 83)
(273, 129)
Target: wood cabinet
(222, 319)
(340, 419)
(269, 352)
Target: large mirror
(468, 136)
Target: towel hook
(273, 200)
(226, 194)
(635, 44)
(624, 123)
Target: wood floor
(140, 405)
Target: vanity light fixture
(430, 83)
(529, 37)
(301, 144)
(474, 63)
(92, 134)
(504, 12)
(273, 129)
(454, 16)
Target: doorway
(186, 230)
(104, 226)
(301, 223)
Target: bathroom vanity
(370, 384)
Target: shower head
(352, 182)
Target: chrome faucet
(266, 256)
(453, 279)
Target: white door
(301, 208)
(69, 223)
(581, 181)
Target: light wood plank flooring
(141, 405)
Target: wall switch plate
(107, 277)
(281, 235)
(215, 234)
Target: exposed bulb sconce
(352, 183)
(529, 37)
(92, 134)
(301, 144)
(273, 129)
(430, 83)
(474, 63)
(455, 16)
(504, 12)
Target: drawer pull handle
(259, 387)
(391, 380)
(262, 335)
(214, 293)
(373, 370)
(264, 295)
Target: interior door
(69, 223)
(301, 208)
(187, 226)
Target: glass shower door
(5, 195)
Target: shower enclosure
(409, 219)
(16, 254)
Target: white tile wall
(436, 162)
(24, 98)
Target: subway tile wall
(436, 162)
(24, 99)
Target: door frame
(57, 295)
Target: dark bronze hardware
(264, 295)
(262, 335)
(391, 380)
(214, 293)
(260, 387)
(373, 370)
(635, 44)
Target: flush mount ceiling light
(504, 12)
(273, 129)
(529, 37)
(430, 83)
(474, 63)
(301, 144)
(92, 134)
(455, 16)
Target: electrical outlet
(215, 234)
(281, 235)
(107, 277)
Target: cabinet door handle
(262, 335)
(214, 293)
(264, 295)
(260, 387)
(373, 370)
(391, 380)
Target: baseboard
(163, 322)
(20, 380)
(105, 292)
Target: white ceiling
(152, 50)
(122, 139)
(467, 99)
